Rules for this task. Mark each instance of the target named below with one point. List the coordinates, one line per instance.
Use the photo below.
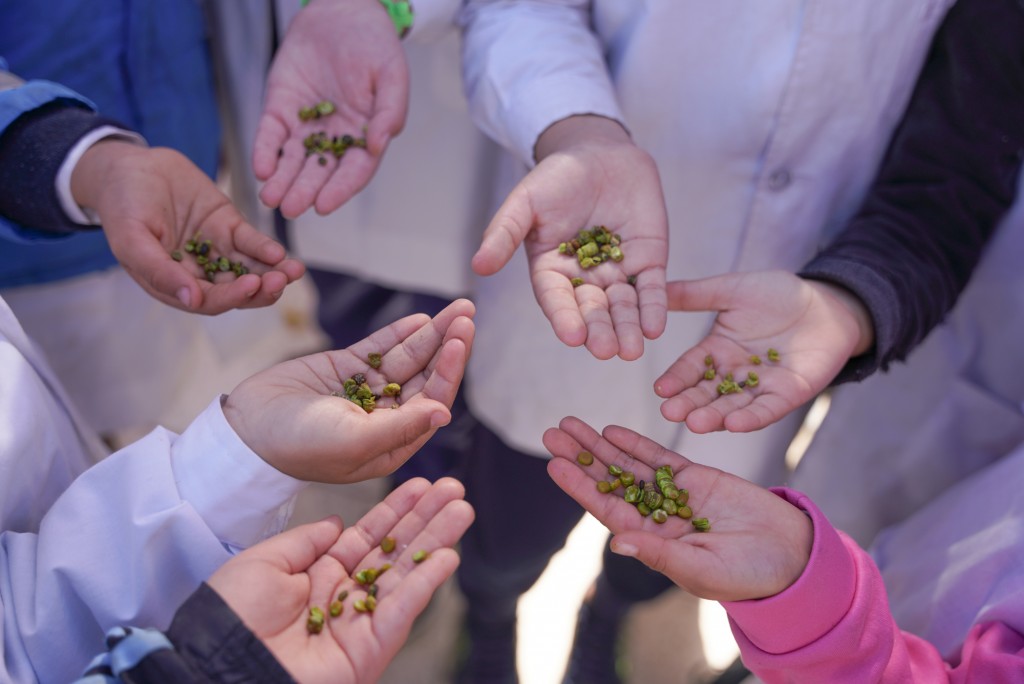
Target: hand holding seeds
(151, 202)
(346, 53)
(813, 327)
(299, 592)
(589, 174)
(755, 545)
(299, 415)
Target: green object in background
(400, 12)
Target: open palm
(292, 403)
(345, 52)
(615, 185)
(813, 332)
(758, 543)
(273, 585)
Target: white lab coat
(767, 122)
(86, 547)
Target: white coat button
(779, 179)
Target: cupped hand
(758, 544)
(273, 585)
(815, 327)
(288, 415)
(345, 52)
(151, 202)
(591, 174)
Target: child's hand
(151, 202)
(345, 52)
(815, 327)
(758, 544)
(591, 174)
(273, 585)
(287, 414)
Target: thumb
(298, 548)
(707, 294)
(648, 548)
(504, 234)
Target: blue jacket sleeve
(39, 123)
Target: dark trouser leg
(522, 519)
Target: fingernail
(438, 419)
(623, 549)
(185, 297)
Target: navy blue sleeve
(206, 643)
(32, 149)
(949, 176)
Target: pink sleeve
(834, 625)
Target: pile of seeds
(593, 247)
(202, 250)
(320, 143)
(729, 384)
(358, 391)
(367, 577)
(659, 499)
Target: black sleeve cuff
(212, 646)
(32, 150)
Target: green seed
(315, 621)
(336, 608)
(684, 512)
(643, 509)
(615, 484)
(325, 107)
(585, 458)
(752, 379)
(709, 374)
(176, 255)
(627, 478)
(576, 282)
(708, 361)
(372, 591)
(392, 389)
(387, 544)
(773, 355)
(631, 280)
(633, 494)
(659, 516)
(684, 496)
(343, 595)
(614, 470)
(360, 606)
(224, 264)
(420, 556)
(604, 486)
(756, 360)
(371, 603)
(670, 507)
(374, 359)
(701, 524)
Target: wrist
(92, 172)
(849, 304)
(580, 129)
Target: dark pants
(522, 517)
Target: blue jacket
(144, 63)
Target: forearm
(206, 643)
(129, 540)
(949, 177)
(834, 625)
(527, 65)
